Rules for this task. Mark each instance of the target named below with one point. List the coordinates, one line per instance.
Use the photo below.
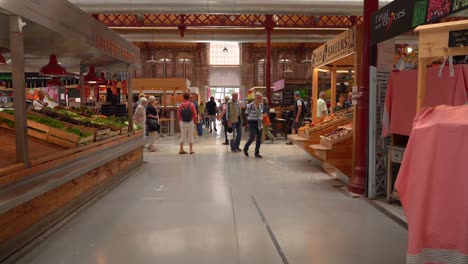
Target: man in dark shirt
(211, 108)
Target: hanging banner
(114, 87)
(337, 48)
(124, 87)
(401, 16)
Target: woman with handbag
(266, 121)
(152, 122)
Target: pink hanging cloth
(433, 186)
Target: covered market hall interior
(233, 131)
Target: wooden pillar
(314, 93)
(19, 90)
(422, 62)
(333, 89)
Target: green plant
(47, 121)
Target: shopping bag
(200, 129)
(230, 135)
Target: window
(260, 72)
(184, 68)
(224, 53)
(222, 92)
(283, 65)
(164, 68)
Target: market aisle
(218, 207)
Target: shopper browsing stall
(322, 109)
(187, 115)
(139, 117)
(254, 112)
(152, 122)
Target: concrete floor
(216, 207)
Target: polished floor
(217, 207)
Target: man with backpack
(300, 111)
(187, 115)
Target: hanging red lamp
(53, 68)
(55, 81)
(91, 76)
(2, 59)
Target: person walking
(187, 115)
(234, 121)
(266, 121)
(254, 112)
(211, 109)
(139, 116)
(152, 122)
(222, 117)
(299, 106)
(201, 110)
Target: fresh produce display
(78, 132)
(438, 8)
(91, 119)
(8, 122)
(337, 133)
(458, 4)
(48, 122)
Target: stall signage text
(401, 16)
(341, 45)
(110, 47)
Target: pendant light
(91, 77)
(53, 68)
(152, 60)
(225, 49)
(2, 59)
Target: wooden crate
(35, 129)
(124, 130)
(328, 142)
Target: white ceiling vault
(323, 7)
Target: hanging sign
(392, 20)
(337, 48)
(401, 16)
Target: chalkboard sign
(458, 38)
(288, 97)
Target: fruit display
(337, 133)
(340, 134)
(438, 8)
(459, 4)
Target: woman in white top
(139, 116)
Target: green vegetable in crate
(46, 121)
(8, 122)
(76, 131)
